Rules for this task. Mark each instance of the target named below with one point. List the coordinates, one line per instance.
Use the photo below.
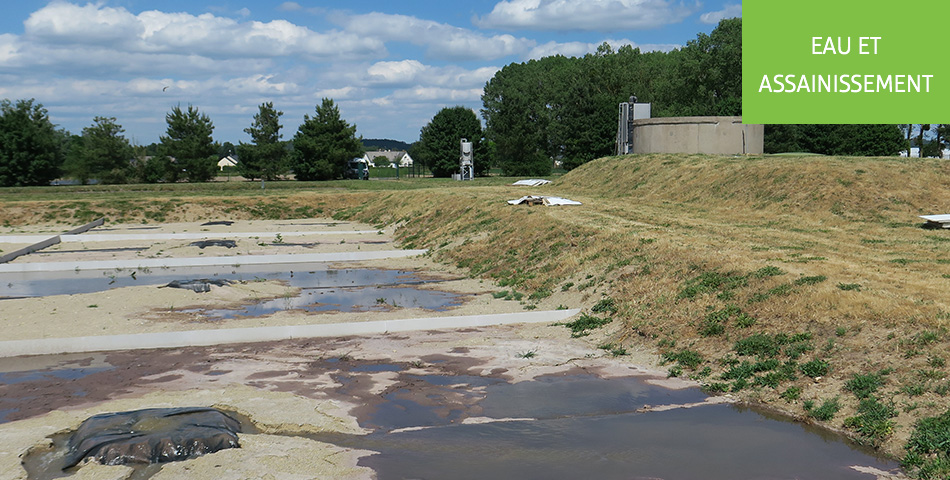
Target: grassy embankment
(805, 283)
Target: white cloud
(88, 24)
(412, 73)
(429, 94)
(731, 11)
(584, 15)
(289, 7)
(68, 25)
(9, 49)
(579, 49)
(442, 40)
(395, 73)
(259, 85)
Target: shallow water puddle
(709, 442)
(447, 424)
(344, 290)
(314, 275)
(582, 426)
(366, 299)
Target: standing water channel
(566, 426)
(322, 289)
(583, 426)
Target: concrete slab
(125, 237)
(194, 338)
(208, 261)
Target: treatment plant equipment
(629, 111)
(466, 161)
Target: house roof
(391, 155)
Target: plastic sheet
(214, 243)
(201, 285)
(154, 435)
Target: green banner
(844, 61)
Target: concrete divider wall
(711, 135)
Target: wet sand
(286, 387)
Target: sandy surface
(287, 388)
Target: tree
(102, 153)
(323, 144)
(31, 150)
(265, 158)
(943, 137)
(440, 141)
(225, 149)
(189, 141)
(873, 140)
(516, 119)
(565, 109)
(920, 139)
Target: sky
(389, 66)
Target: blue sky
(389, 65)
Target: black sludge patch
(153, 435)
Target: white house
(400, 158)
(228, 161)
(915, 153)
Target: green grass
(825, 412)
(605, 305)
(815, 368)
(864, 385)
(687, 358)
(928, 449)
(873, 422)
(709, 282)
(584, 324)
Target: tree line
(537, 114)
(34, 152)
(560, 109)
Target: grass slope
(805, 283)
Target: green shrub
(584, 324)
(686, 358)
(605, 305)
(825, 412)
(797, 349)
(769, 271)
(791, 394)
(863, 386)
(758, 344)
(873, 422)
(708, 282)
(811, 280)
(815, 368)
(929, 447)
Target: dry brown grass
(652, 224)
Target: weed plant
(585, 323)
(815, 368)
(928, 449)
(874, 421)
(825, 412)
(864, 385)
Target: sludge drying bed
(322, 288)
(447, 423)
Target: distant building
(394, 157)
(915, 153)
(228, 161)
